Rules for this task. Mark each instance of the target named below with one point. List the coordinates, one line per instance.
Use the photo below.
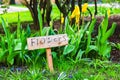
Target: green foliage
(79, 43)
(13, 44)
(91, 70)
(102, 43)
(40, 20)
(10, 42)
(90, 47)
(21, 42)
(55, 14)
(61, 76)
(75, 39)
(25, 16)
(116, 45)
(68, 49)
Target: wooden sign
(47, 42)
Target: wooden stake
(49, 59)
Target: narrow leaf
(69, 48)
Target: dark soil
(115, 54)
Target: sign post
(49, 59)
(47, 42)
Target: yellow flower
(77, 10)
(77, 19)
(76, 13)
(73, 14)
(62, 20)
(108, 13)
(84, 7)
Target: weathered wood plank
(47, 41)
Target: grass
(66, 70)
(19, 5)
(25, 16)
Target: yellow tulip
(76, 14)
(108, 13)
(77, 19)
(73, 14)
(84, 7)
(62, 20)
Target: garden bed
(115, 38)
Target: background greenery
(25, 16)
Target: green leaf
(117, 46)
(104, 24)
(54, 54)
(28, 31)
(40, 19)
(2, 54)
(106, 51)
(91, 47)
(92, 25)
(77, 39)
(68, 28)
(62, 76)
(19, 45)
(51, 32)
(79, 54)
(45, 30)
(109, 33)
(18, 27)
(5, 27)
(69, 48)
(10, 58)
(42, 51)
(2, 43)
